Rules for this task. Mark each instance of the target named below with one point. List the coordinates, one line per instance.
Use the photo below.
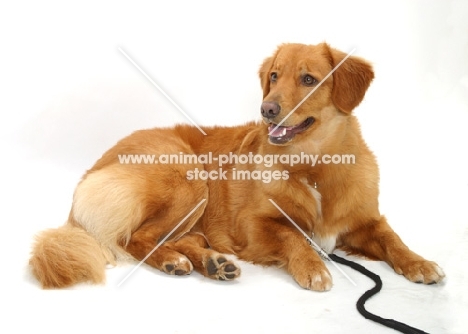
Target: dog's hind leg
(206, 261)
(185, 197)
(144, 242)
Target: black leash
(399, 326)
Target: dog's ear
(264, 74)
(350, 80)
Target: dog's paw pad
(219, 268)
(179, 267)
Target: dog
(199, 210)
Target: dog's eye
(273, 76)
(308, 80)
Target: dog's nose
(270, 109)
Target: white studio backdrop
(67, 94)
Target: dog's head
(293, 72)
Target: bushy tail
(67, 255)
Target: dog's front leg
(307, 268)
(377, 240)
(270, 242)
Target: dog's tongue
(280, 134)
(278, 131)
(283, 134)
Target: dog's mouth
(283, 134)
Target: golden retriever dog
(123, 210)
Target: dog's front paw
(421, 271)
(314, 277)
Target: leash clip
(319, 250)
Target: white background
(67, 94)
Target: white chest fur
(327, 243)
(317, 196)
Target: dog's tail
(67, 255)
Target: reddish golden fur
(125, 209)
